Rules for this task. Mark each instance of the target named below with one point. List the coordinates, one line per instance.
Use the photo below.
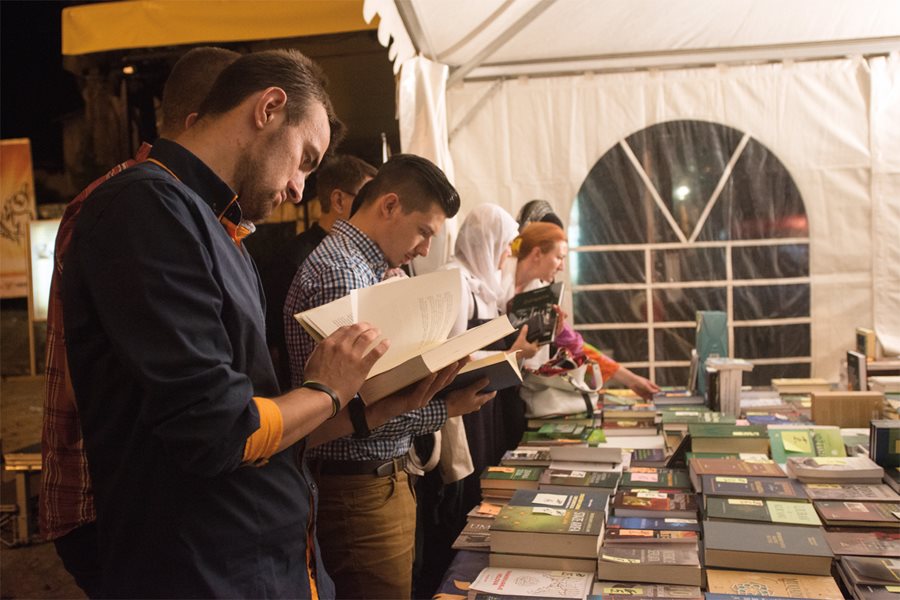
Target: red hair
(538, 235)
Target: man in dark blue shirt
(197, 461)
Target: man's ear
(190, 120)
(268, 104)
(389, 204)
(337, 203)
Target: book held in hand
(416, 314)
(535, 309)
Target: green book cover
(649, 478)
(579, 479)
(716, 430)
(561, 430)
(764, 511)
(756, 537)
(691, 455)
(595, 437)
(541, 519)
(511, 474)
(751, 487)
(691, 417)
(805, 442)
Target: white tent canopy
(816, 83)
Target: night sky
(36, 91)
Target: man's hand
(417, 395)
(343, 359)
(527, 349)
(468, 399)
(641, 386)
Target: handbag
(553, 391)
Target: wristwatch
(357, 411)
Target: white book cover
(533, 583)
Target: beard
(256, 199)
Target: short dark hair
(302, 80)
(416, 180)
(188, 85)
(341, 172)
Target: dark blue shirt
(165, 334)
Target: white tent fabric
(835, 124)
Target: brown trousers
(366, 529)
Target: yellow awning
(149, 23)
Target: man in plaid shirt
(367, 514)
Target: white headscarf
(483, 237)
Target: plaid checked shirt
(347, 260)
(66, 499)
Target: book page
(328, 318)
(468, 341)
(414, 314)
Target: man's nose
(295, 189)
(424, 247)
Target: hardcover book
(650, 478)
(532, 582)
(535, 309)
(655, 504)
(864, 543)
(511, 478)
(767, 584)
(586, 454)
(500, 368)
(590, 500)
(752, 487)
(648, 457)
(672, 565)
(534, 561)
(561, 480)
(805, 441)
(728, 438)
(791, 549)
(660, 524)
(730, 467)
(648, 536)
(761, 511)
(859, 514)
(475, 536)
(416, 314)
(526, 457)
(873, 571)
(884, 442)
(549, 531)
(851, 491)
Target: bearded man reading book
(367, 513)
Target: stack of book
(561, 434)
(636, 419)
(735, 439)
(884, 449)
(867, 577)
(809, 440)
(499, 483)
(549, 531)
(841, 469)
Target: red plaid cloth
(66, 499)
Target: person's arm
(641, 386)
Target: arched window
(686, 216)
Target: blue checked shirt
(347, 260)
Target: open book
(535, 309)
(416, 315)
(501, 368)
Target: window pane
(682, 305)
(674, 344)
(672, 376)
(771, 341)
(610, 306)
(770, 302)
(770, 262)
(689, 264)
(628, 345)
(606, 267)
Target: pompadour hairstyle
(417, 181)
(302, 80)
(341, 172)
(188, 85)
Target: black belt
(375, 468)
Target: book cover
(648, 457)
(805, 441)
(550, 531)
(535, 561)
(660, 524)
(761, 511)
(535, 309)
(617, 589)
(532, 582)
(768, 584)
(592, 500)
(700, 466)
(556, 431)
(711, 437)
(872, 571)
(856, 371)
(501, 369)
(475, 536)
(846, 409)
(511, 477)
(790, 548)
(667, 565)
(751, 487)
(851, 491)
(865, 342)
(649, 536)
(655, 504)
(864, 514)
(884, 442)
(864, 543)
(577, 480)
(653, 478)
(526, 457)
(837, 469)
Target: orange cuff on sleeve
(264, 441)
(608, 366)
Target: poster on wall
(17, 208)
